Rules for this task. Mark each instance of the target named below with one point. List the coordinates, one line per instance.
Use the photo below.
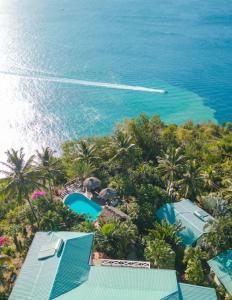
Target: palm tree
(209, 177)
(167, 232)
(194, 272)
(85, 152)
(48, 166)
(82, 169)
(191, 181)
(21, 178)
(171, 166)
(123, 144)
(160, 254)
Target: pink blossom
(38, 194)
(3, 240)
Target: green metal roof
(193, 292)
(67, 275)
(119, 283)
(189, 215)
(222, 267)
(49, 278)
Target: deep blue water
(181, 46)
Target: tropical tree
(170, 166)
(194, 272)
(126, 237)
(122, 143)
(219, 235)
(82, 169)
(49, 166)
(210, 178)
(190, 183)
(20, 177)
(104, 239)
(85, 152)
(194, 253)
(146, 133)
(116, 239)
(166, 232)
(160, 254)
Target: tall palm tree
(48, 166)
(20, 177)
(170, 166)
(85, 152)
(123, 144)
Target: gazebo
(91, 184)
(108, 194)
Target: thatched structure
(91, 184)
(108, 194)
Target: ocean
(64, 65)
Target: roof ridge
(62, 253)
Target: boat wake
(87, 83)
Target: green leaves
(160, 254)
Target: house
(221, 269)
(192, 218)
(58, 266)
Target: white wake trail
(88, 83)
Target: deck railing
(125, 263)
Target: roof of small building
(193, 292)
(67, 274)
(192, 218)
(222, 267)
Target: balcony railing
(125, 263)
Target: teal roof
(67, 275)
(51, 277)
(192, 218)
(222, 267)
(119, 283)
(193, 292)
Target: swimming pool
(80, 204)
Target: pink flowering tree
(38, 194)
(3, 240)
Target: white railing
(125, 263)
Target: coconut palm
(48, 166)
(20, 177)
(167, 232)
(82, 170)
(85, 152)
(209, 177)
(170, 166)
(190, 183)
(122, 143)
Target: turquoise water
(80, 204)
(183, 47)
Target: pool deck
(75, 186)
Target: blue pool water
(182, 46)
(80, 204)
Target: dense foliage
(148, 163)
